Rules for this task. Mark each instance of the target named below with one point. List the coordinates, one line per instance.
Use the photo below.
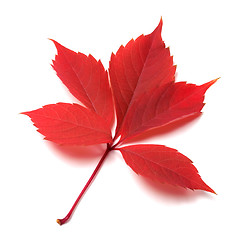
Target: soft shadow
(79, 155)
(167, 129)
(162, 191)
(171, 194)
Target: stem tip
(59, 222)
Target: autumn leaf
(163, 164)
(86, 79)
(66, 123)
(140, 87)
(138, 68)
(162, 106)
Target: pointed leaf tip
(210, 83)
(52, 40)
(158, 29)
(57, 44)
(207, 85)
(160, 24)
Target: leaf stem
(68, 216)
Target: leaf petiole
(68, 216)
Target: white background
(40, 181)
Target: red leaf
(145, 94)
(163, 105)
(86, 79)
(66, 123)
(137, 68)
(163, 164)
